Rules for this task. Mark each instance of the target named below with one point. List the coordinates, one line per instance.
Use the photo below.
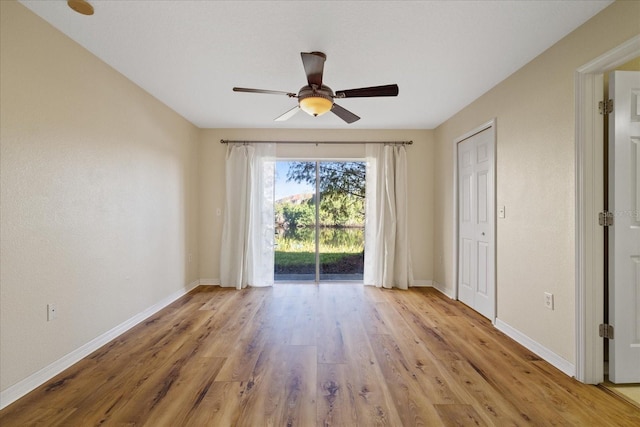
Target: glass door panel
(341, 220)
(295, 239)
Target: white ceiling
(442, 54)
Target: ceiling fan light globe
(316, 105)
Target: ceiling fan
(316, 98)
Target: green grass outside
(330, 263)
(286, 259)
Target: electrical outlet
(52, 312)
(548, 300)
(501, 212)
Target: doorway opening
(319, 220)
(589, 364)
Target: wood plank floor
(307, 355)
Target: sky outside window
(286, 189)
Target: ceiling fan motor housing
(315, 101)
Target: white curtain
(246, 257)
(387, 261)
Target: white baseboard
(443, 289)
(548, 355)
(421, 283)
(431, 284)
(209, 282)
(35, 380)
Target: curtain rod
(226, 141)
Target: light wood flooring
(309, 355)
(630, 392)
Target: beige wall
(633, 65)
(105, 191)
(420, 175)
(535, 171)
(98, 196)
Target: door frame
(491, 124)
(589, 199)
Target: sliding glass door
(319, 220)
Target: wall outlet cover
(548, 300)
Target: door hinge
(605, 219)
(606, 331)
(605, 107)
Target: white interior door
(624, 235)
(476, 222)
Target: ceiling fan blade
(271, 92)
(313, 63)
(287, 115)
(364, 92)
(344, 114)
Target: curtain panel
(247, 256)
(387, 260)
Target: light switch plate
(52, 312)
